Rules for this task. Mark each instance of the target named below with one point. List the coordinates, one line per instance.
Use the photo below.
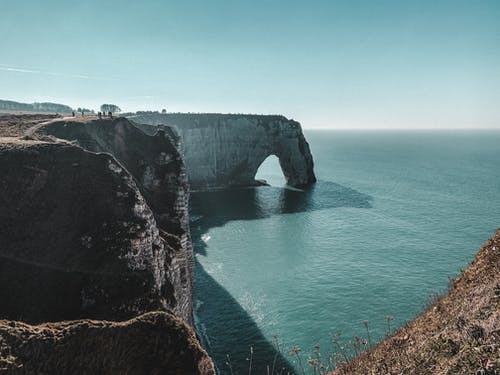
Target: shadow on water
(216, 208)
(232, 331)
(225, 327)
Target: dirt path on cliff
(31, 130)
(16, 125)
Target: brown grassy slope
(156, 343)
(458, 334)
(14, 125)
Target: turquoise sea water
(393, 216)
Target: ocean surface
(394, 215)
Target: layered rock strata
(226, 150)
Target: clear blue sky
(338, 64)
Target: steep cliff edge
(153, 343)
(226, 150)
(459, 334)
(158, 169)
(77, 238)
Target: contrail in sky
(8, 68)
(19, 70)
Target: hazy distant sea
(393, 216)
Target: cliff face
(227, 150)
(85, 235)
(154, 343)
(158, 169)
(77, 238)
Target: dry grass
(18, 127)
(15, 125)
(458, 334)
(152, 343)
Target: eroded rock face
(227, 150)
(158, 169)
(77, 238)
(154, 343)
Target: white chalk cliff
(226, 150)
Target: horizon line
(291, 118)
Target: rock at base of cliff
(153, 343)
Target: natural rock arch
(268, 172)
(227, 150)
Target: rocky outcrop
(158, 169)
(227, 150)
(77, 238)
(154, 343)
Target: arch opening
(270, 172)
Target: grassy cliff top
(458, 334)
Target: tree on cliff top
(110, 108)
(85, 110)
